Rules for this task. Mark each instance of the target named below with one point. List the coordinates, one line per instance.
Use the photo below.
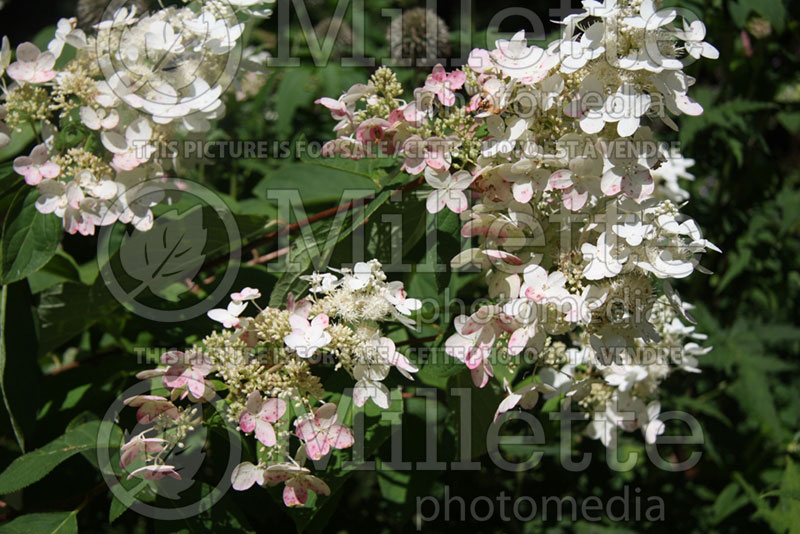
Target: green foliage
(49, 523)
(29, 238)
(35, 465)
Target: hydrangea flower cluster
(551, 162)
(105, 117)
(267, 362)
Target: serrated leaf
(35, 465)
(29, 239)
(47, 523)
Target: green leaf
(727, 502)
(19, 372)
(60, 268)
(30, 239)
(308, 250)
(67, 309)
(35, 465)
(291, 94)
(316, 184)
(448, 245)
(3, 360)
(48, 523)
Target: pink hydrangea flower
(433, 152)
(321, 433)
(448, 190)
(307, 337)
(526, 396)
(32, 65)
(187, 372)
(259, 415)
(155, 472)
(37, 166)
(138, 444)
(299, 481)
(150, 407)
(444, 85)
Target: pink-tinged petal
(265, 433)
(518, 341)
(414, 165)
(503, 255)
(446, 97)
(535, 294)
(147, 374)
(27, 52)
(129, 456)
(436, 160)
(456, 201)
(574, 199)
(457, 79)
(41, 76)
(155, 472)
(294, 494)
(436, 201)
(325, 416)
(523, 191)
(276, 474)
(475, 227)
(481, 375)
(340, 437)
(174, 377)
(647, 189)
(245, 475)
(126, 161)
(560, 179)
(21, 164)
(197, 387)
(315, 484)
(611, 183)
(317, 447)
(305, 429)
(32, 176)
(360, 395)
(19, 71)
(474, 358)
(507, 404)
(439, 74)
(272, 410)
(321, 321)
(247, 421)
(254, 402)
(173, 357)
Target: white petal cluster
(570, 201)
(139, 82)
